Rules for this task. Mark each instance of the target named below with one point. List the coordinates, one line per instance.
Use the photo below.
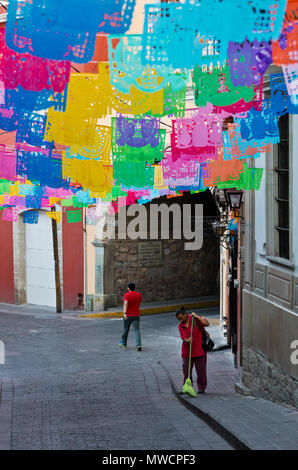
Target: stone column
(104, 276)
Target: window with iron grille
(282, 197)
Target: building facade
(28, 266)
(161, 268)
(270, 279)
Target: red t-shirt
(196, 348)
(133, 307)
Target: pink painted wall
(6, 257)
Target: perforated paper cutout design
(37, 167)
(234, 146)
(31, 128)
(137, 132)
(133, 174)
(200, 130)
(248, 61)
(159, 182)
(249, 179)
(279, 102)
(21, 101)
(91, 96)
(138, 138)
(74, 216)
(54, 215)
(137, 102)
(66, 131)
(100, 149)
(7, 163)
(30, 217)
(222, 170)
(291, 78)
(285, 49)
(86, 102)
(64, 30)
(32, 73)
(215, 86)
(171, 29)
(127, 69)
(182, 175)
(10, 214)
(92, 175)
(259, 126)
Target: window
(282, 197)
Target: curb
(6, 406)
(214, 424)
(153, 310)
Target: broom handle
(189, 361)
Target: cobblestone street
(67, 385)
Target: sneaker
(201, 391)
(121, 345)
(139, 348)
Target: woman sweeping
(198, 355)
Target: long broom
(187, 387)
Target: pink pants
(200, 364)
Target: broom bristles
(188, 388)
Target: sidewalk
(165, 306)
(147, 308)
(246, 422)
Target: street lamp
(234, 199)
(219, 228)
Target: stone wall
(267, 380)
(181, 274)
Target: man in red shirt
(131, 315)
(198, 355)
